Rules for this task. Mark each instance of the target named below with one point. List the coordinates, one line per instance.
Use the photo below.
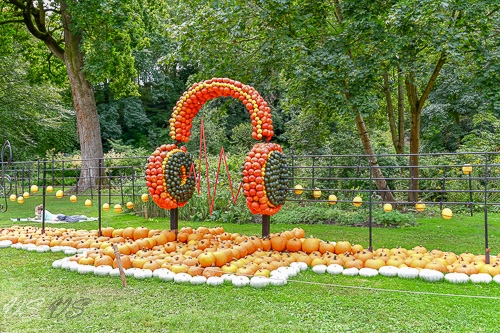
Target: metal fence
(469, 180)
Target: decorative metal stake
(266, 225)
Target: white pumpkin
(86, 269)
(55, 249)
(496, 278)
(65, 264)
(259, 282)
(430, 275)
(215, 280)
(130, 271)
(70, 251)
(388, 271)
(228, 277)
(300, 265)
(481, 278)
(368, 272)
(82, 251)
(73, 266)
(334, 269)
(5, 243)
(166, 275)
(26, 246)
(278, 280)
(408, 273)
(182, 278)
(42, 249)
(350, 271)
(102, 270)
(457, 277)
(114, 272)
(286, 271)
(197, 280)
(319, 269)
(159, 271)
(240, 281)
(57, 264)
(16, 246)
(143, 274)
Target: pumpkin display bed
(213, 256)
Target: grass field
(30, 289)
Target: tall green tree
(94, 39)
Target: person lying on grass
(59, 217)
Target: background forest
(418, 76)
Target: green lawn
(29, 286)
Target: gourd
(102, 270)
(481, 278)
(300, 265)
(166, 275)
(5, 243)
(408, 273)
(74, 266)
(228, 277)
(259, 282)
(57, 264)
(240, 281)
(388, 271)
(86, 269)
(197, 280)
(130, 271)
(114, 272)
(319, 269)
(430, 275)
(215, 280)
(278, 280)
(182, 278)
(288, 271)
(70, 251)
(457, 277)
(143, 273)
(368, 272)
(334, 269)
(158, 271)
(353, 271)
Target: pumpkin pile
(169, 178)
(213, 252)
(264, 182)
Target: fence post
(99, 195)
(43, 195)
(412, 187)
(443, 189)
(487, 251)
(470, 194)
(370, 248)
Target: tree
(94, 40)
(31, 112)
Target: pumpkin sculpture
(170, 171)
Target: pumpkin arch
(193, 100)
(263, 172)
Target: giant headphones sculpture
(169, 178)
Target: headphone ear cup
(264, 184)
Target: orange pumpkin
(278, 242)
(293, 245)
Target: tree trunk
(390, 113)
(401, 112)
(377, 172)
(416, 105)
(87, 120)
